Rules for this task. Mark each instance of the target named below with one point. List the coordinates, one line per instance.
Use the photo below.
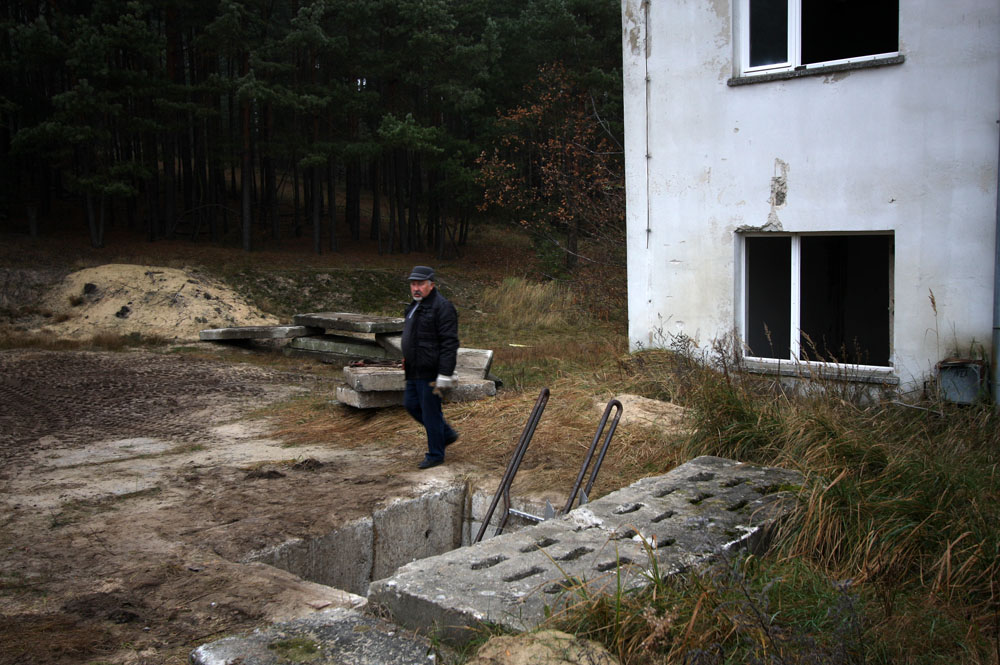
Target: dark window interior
(768, 32)
(845, 298)
(769, 300)
(839, 29)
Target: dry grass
(901, 506)
(19, 339)
(517, 304)
(490, 430)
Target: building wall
(910, 148)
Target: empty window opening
(792, 34)
(824, 298)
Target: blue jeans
(425, 407)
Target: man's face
(420, 288)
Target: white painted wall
(909, 148)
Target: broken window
(796, 34)
(825, 298)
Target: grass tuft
(519, 305)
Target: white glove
(443, 381)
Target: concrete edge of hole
(328, 636)
(411, 529)
(342, 558)
(351, 556)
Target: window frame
(795, 309)
(794, 43)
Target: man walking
(430, 350)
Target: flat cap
(420, 273)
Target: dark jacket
(430, 338)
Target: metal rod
(508, 477)
(590, 453)
(524, 515)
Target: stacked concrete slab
(347, 337)
(370, 348)
(379, 384)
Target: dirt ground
(133, 483)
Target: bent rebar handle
(515, 462)
(613, 404)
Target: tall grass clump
(518, 304)
(901, 503)
(539, 333)
(745, 610)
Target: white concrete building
(805, 166)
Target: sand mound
(649, 412)
(148, 301)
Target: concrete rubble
(662, 525)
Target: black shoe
(451, 439)
(428, 463)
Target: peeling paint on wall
(779, 194)
(633, 14)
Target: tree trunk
(400, 180)
(331, 187)
(572, 243)
(95, 223)
(413, 223)
(270, 177)
(352, 203)
(169, 220)
(246, 176)
(317, 197)
(390, 194)
(296, 197)
(375, 223)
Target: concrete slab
(468, 390)
(340, 345)
(319, 356)
(329, 637)
(375, 378)
(369, 400)
(347, 321)
(382, 377)
(474, 362)
(257, 332)
(682, 519)
(391, 342)
(464, 390)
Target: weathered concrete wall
(351, 556)
(908, 148)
